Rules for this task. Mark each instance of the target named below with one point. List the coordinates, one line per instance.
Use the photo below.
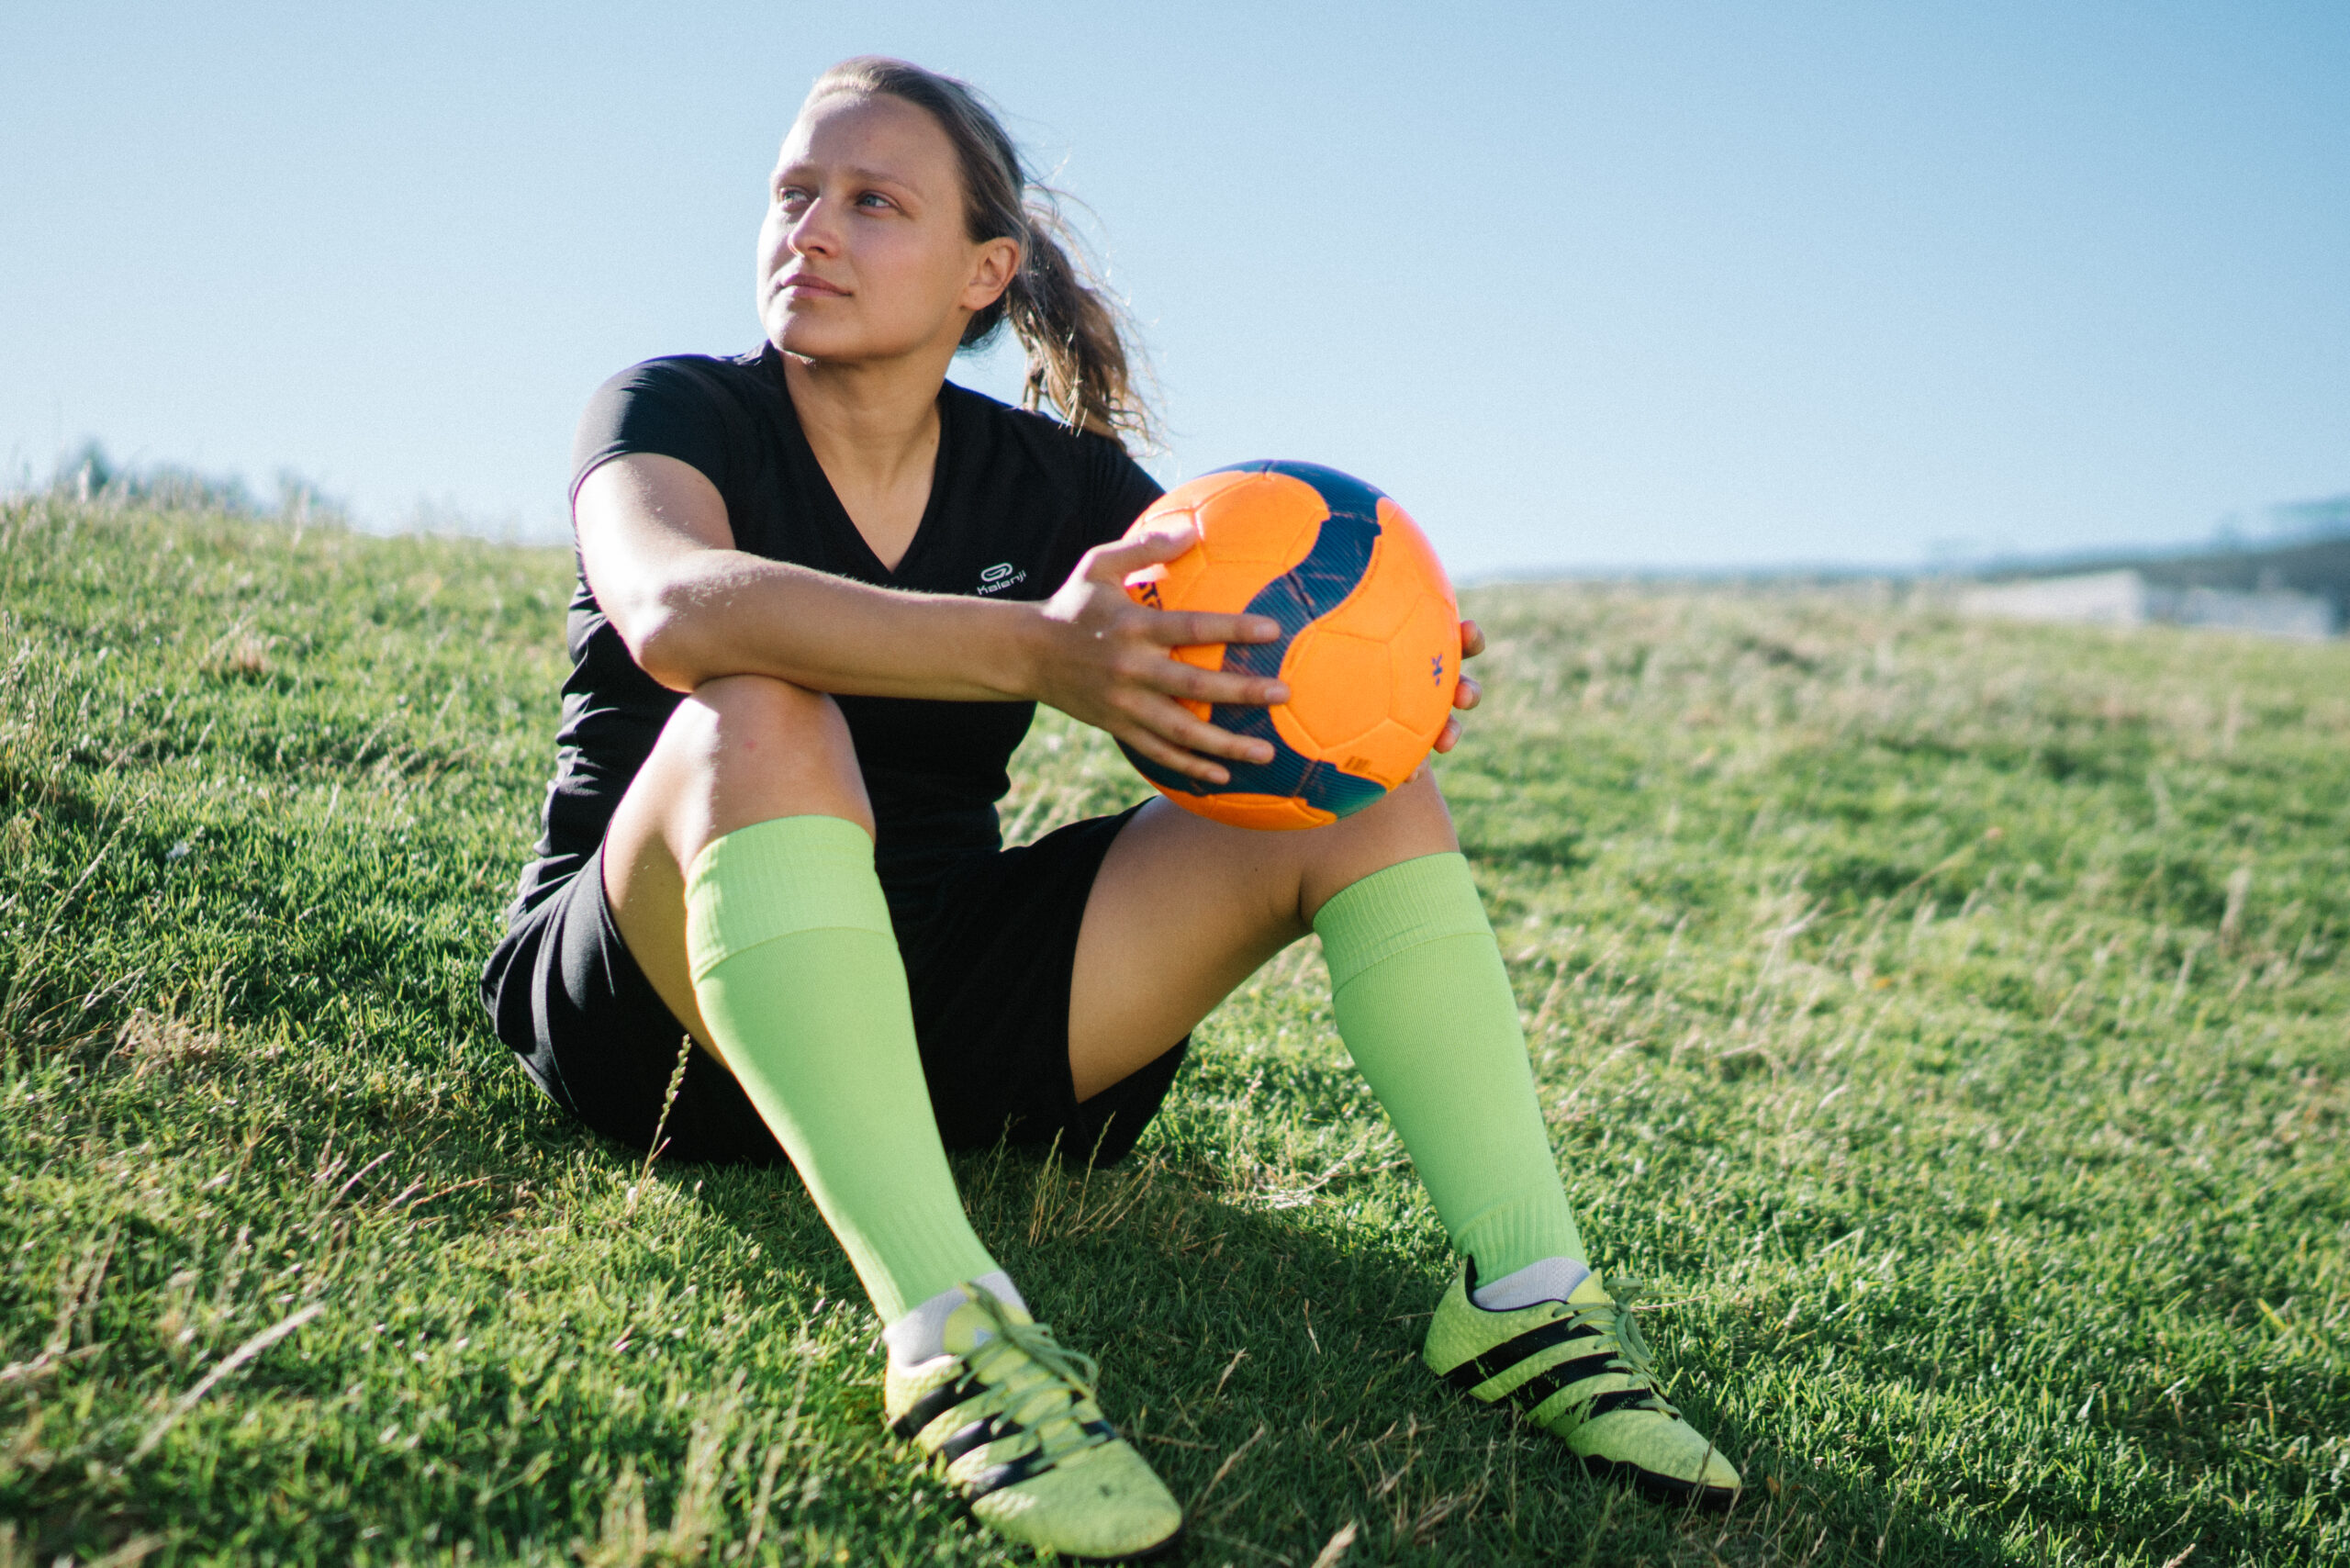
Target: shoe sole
(1648, 1484)
(963, 1504)
(1663, 1488)
(1145, 1554)
(1148, 1554)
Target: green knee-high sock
(1425, 1009)
(799, 980)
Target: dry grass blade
(661, 1126)
(137, 1549)
(358, 1176)
(1230, 1460)
(42, 1365)
(1335, 1547)
(1229, 1368)
(230, 1365)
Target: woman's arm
(658, 551)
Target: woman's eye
(874, 199)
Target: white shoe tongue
(950, 1321)
(969, 1327)
(1552, 1279)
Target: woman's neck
(874, 429)
(867, 423)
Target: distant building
(2087, 599)
(2127, 598)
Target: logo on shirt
(1000, 576)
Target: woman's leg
(739, 870)
(1184, 909)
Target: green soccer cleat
(1007, 1417)
(1579, 1370)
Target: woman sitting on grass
(821, 592)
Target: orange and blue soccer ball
(1369, 643)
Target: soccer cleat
(1006, 1415)
(1579, 1370)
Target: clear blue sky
(1594, 284)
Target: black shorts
(989, 948)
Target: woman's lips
(802, 283)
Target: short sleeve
(1120, 489)
(661, 406)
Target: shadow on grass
(1264, 1359)
(1267, 1362)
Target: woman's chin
(813, 344)
(802, 341)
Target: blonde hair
(1073, 329)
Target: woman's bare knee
(744, 750)
(738, 751)
(1412, 821)
(749, 711)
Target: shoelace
(1631, 1351)
(1046, 1402)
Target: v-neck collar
(835, 515)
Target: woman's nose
(814, 229)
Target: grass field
(1951, 1024)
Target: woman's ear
(991, 273)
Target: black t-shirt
(1014, 500)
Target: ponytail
(1074, 329)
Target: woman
(772, 827)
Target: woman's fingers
(1126, 681)
(1194, 684)
(1114, 563)
(1179, 724)
(1199, 628)
(1168, 733)
(1190, 765)
(1468, 692)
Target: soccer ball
(1369, 644)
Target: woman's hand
(1109, 661)
(1467, 691)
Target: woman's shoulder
(1088, 463)
(737, 377)
(704, 411)
(1100, 489)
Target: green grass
(1951, 1023)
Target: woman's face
(865, 254)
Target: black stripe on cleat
(1011, 1472)
(935, 1404)
(1509, 1352)
(978, 1435)
(1530, 1394)
(1616, 1399)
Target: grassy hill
(1950, 1021)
